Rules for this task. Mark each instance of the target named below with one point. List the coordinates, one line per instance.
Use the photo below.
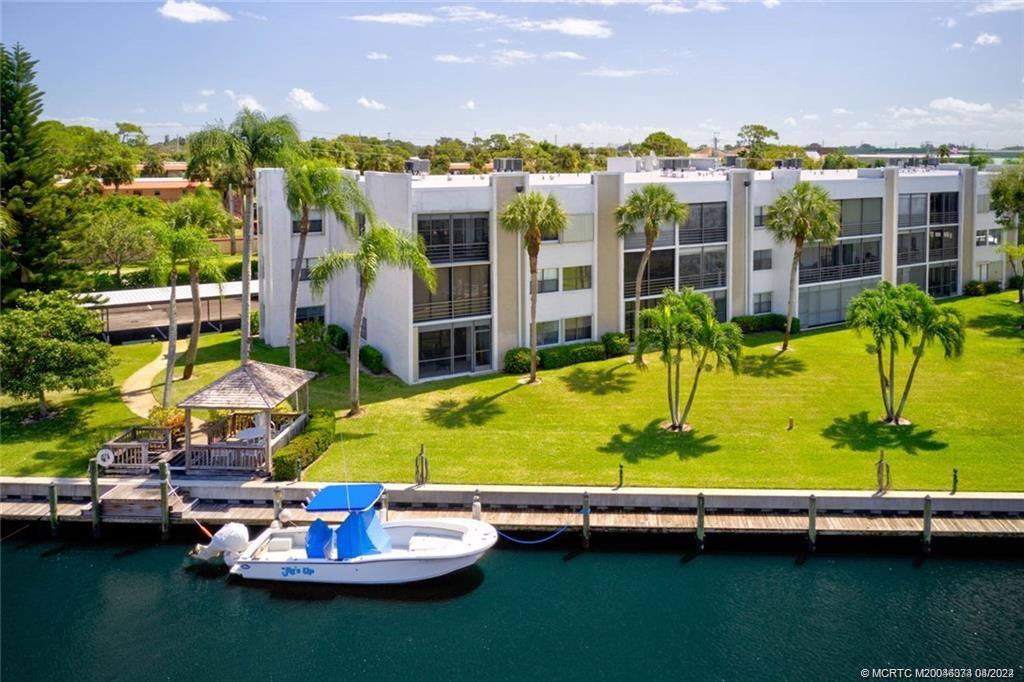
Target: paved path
(137, 390)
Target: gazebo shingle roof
(255, 385)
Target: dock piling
(926, 532)
(384, 505)
(621, 475)
(792, 424)
(278, 496)
(165, 501)
(52, 494)
(700, 521)
(812, 522)
(477, 507)
(94, 494)
(586, 520)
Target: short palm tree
(379, 246)
(252, 140)
(664, 328)
(804, 213)
(535, 216)
(708, 337)
(648, 208)
(882, 314)
(310, 185)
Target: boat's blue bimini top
(361, 534)
(351, 497)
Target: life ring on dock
(105, 457)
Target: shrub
(371, 358)
(254, 322)
(554, 357)
(974, 288)
(572, 354)
(517, 360)
(992, 287)
(310, 344)
(615, 344)
(770, 322)
(306, 447)
(1014, 282)
(337, 337)
(586, 352)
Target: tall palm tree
(317, 184)
(380, 245)
(664, 328)
(882, 314)
(934, 323)
(202, 210)
(707, 337)
(648, 207)
(252, 140)
(804, 213)
(535, 216)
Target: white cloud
(987, 39)
(839, 111)
(862, 125)
(463, 13)
(993, 6)
(252, 15)
(810, 117)
(770, 3)
(790, 121)
(304, 100)
(377, 56)
(192, 12)
(606, 72)
(580, 28)
(371, 104)
(470, 105)
(564, 54)
(244, 101)
(679, 7)
(194, 108)
(207, 92)
(453, 59)
(512, 57)
(959, 106)
(956, 46)
(399, 18)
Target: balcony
(945, 253)
(944, 217)
(706, 235)
(707, 280)
(458, 253)
(831, 273)
(648, 287)
(909, 256)
(451, 309)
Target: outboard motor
(227, 543)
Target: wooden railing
(136, 448)
(227, 457)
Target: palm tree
(706, 336)
(252, 140)
(310, 185)
(935, 324)
(804, 213)
(535, 216)
(380, 245)
(650, 207)
(664, 329)
(882, 314)
(943, 152)
(202, 210)
(177, 245)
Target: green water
(118, 611)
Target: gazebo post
(188, 439)
(270, 459)
(305, 408)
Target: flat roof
(121, 298)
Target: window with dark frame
(576, 277)
(763, 259)
(762, 302)
(578, 328)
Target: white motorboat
(362, 550)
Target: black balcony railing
(707, 235)
(946, 253)
(648, 287)
(913, 220)
(707, 280)
(910, 256)
(830, 273)
(458, 253)
(944, 217)
(446, 310)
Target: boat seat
(426, 543)
(279, 545)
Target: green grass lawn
(582, 421)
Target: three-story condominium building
(930, 227)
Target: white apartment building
(931, 227)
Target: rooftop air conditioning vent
(417, 166)
(508, 165)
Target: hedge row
(371, 358)
(142, 279)
(976, 288)
(612, 344)
(337, 337)
(306, 447)
(771, 322)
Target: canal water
(132, 611)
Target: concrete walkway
(137, 390)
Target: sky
(589, 71)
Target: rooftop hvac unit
(508, 165)
(417, 166)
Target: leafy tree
(131, 133)
(804, 213)
(152, 164)
(977, 159)
(317, 185)
(661, 143)
(116, 233)
(379, 246)
(48, 343)
(1015, 256)
(32, 255)
(648, 208)
(944, 152)
(754, 137)
(1006, 194)
(117, 171)
(839, 159)
(534, 216)
(250, 141)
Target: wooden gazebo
(248, 437)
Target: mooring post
(422, 466)
(621, 474)
(94, 493)
(812, 522)
(792, 423)
(956, 479)
(477, 507)
(700, 521)
(926, 532)
(586, 520)
(53, 507)
(278, 497)
(165, 501)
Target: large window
(847, 259)
(913, 210)
(628, 308)
(579, 229)
(547, 280)
(304, 267)
(917, 274)
(702, 268)
(576, 277)
(762, 302)
(706, 224)
(944, 208)
(547, 333)
(660, 273)
(637, 239)
(826, 303)
(910, 247)
(860, 216)
(577, 328)
(942, 280)
(763, 259)
(719, 299)
(463, 291)
(759, 215)
(453, 238)
(316, 223)
(454, 349)
(942, 243)
(988, 237)
(309, 312)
